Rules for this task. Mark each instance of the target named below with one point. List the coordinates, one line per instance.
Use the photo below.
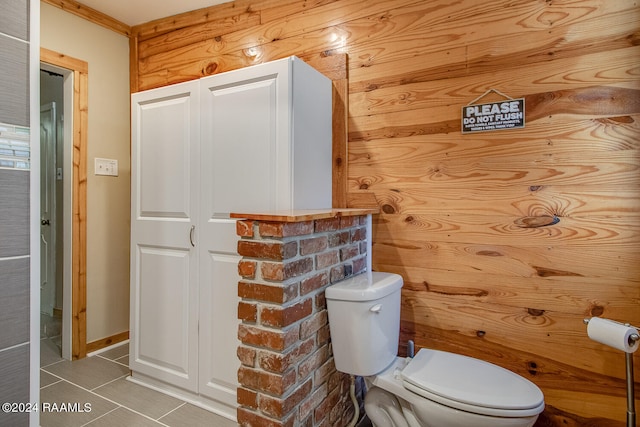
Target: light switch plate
(107, 167)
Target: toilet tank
(364, 320)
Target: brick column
(287, 375)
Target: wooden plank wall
(477, 283)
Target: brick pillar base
(287, 375)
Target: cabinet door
(164, 195)
(219, 312)
(246, 134)
(244, 167)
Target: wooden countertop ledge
(301, 215)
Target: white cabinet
(165, 187)
(267, 130)
(253, 139)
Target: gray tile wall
(14, 216)
(14, 306)
(14, 84)
(14, 362)
(14, 213)
(14, 20)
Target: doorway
(51, 206)
(63, 221)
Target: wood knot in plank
(535, 312)
(388, 209)
(454, 291)
(549, 272)
(536, 221)
(596, 311)
(211, 68)
(489, 253)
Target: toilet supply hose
(356, 406)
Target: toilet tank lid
(365, 287)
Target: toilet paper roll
(613, 334)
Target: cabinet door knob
(193, 229)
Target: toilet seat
(471, 385)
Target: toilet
(432, 389)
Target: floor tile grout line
(129, 409)
(109, 382)
(53, 363)
(49, 385)
(101, 416)
(96, 391)
(126, 365)
(53, 375)
(43, 368)
(84, 390)
(78, 385)
(173, 410)
(106, 358)
(113, 360)
(132, 410)
(118, 405)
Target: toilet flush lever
(376, 308)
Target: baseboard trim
(106, 342)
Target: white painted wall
(108, 198)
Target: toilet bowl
(440, 389)
(433, 389)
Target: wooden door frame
(80, 70)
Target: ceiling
(134, 12)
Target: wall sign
(508, 114)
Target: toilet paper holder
(631, 405)
(632, 338)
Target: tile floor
(100, 380)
